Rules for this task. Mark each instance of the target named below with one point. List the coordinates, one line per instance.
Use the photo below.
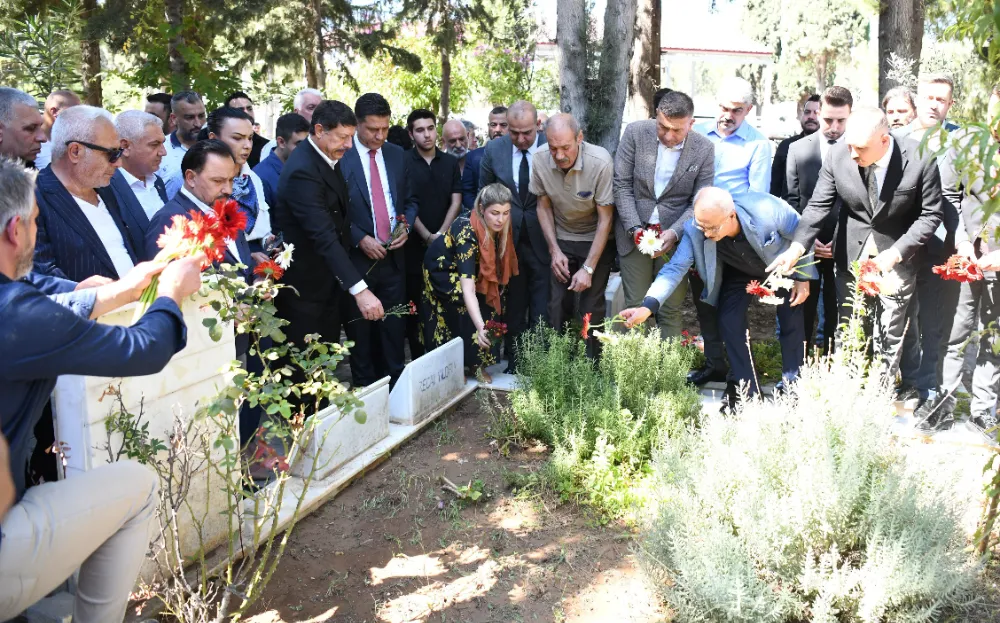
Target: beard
(459, 152)
(25, 262)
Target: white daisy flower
(778, 282)
(649, 243)
(285, 257)
(607, 338)
(889, 283)
(772, 300)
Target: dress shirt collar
(531, 150)
(198, 202)
(329, 161)
(675, 148)
(883, 162)
(132, 180)
(741, 131)
(365, 149)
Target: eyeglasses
(113, 153)
(711, 231)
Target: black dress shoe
(986, 424)
(706, 374)
(730, 400)
(933, 416)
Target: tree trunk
(604, 120)
(90, 49)
(644, 70)
(822, 68)
(318, 53)
(900, 30)
(180, 78)
(445, 85)
(311, 78)
(571, 56)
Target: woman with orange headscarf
(466, 271)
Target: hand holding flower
(635, 316)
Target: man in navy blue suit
(82, 228)
(380, 193)
(98, 521)
(470, 175)
(136, 184)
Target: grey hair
(520, 108)
(717, 197)
(297, 102)
(78, 123)
(563, 119)
(735, 89)
(676, 105)
(471, 127)
(867, 121)
(17, 189)
(9, 98)
(131, 124)
(491, 195)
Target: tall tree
(900, 31)
(90, 50)
(572, 26)
(644, 70)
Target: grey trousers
(889, 315)
(638, 272)
(97, 522)
(982, 297)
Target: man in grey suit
(659, 167)
(507, 160)
(890, 198)
(805, 160)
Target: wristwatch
(590, 271)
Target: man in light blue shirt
(742, 164)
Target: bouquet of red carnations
(959, 268)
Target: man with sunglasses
(82, 228)
(731, 240)
(742, 164)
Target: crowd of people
(522, 231)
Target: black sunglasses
(113, 154)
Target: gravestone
(339, 438)
(614, 296)
(428, 382)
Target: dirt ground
(395, 548)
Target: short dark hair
(217, 118)
(499, 110)
(659, 96)
(290, 124)
(676, 105)
(815, 97)
(190, 97)
(903, 92)
(417, 115)
(237, 95)
(399, 136)
(331, 114)
(371, 104)
(197, 156)
(838, 96)
(160, 98)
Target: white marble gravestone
(428, 382)
(339, 438)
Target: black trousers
(715, 350)
(307, 316)
(527, 296)
(378, 346)
(827, 284)
(591, 300)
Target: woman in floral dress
(465, 272)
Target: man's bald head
(867, 135)
(58, 101)
(714, 213)
(455, 138)
(562, 122)
(522, 109)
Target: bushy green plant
(800, 509)
(601, 420)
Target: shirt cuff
(651, 304)
(358, 288)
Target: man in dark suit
(312, 214)
(470, 175)
(507, 160)
(805, 160)
(891, 203)
(82, 229)
(810, 123)
(380, 193)
(136, 185)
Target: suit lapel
(893, 175)
(161, 189)
(65, 205)
(117, 215)
(505, 167)
(352, 168)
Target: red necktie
(378, 200)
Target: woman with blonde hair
(466, 271)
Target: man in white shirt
(55, 103)
(660, 166)
(136, 184)
(187, 113)
(805, 160)
(82, 229)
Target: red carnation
(655, 227)
(270, 269)
(960, 269)
(586, 326)
(412, 308)
(758, 290)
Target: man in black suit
(380, 195)
(810, 123)
(508, 160)
(312, 214)
(804, 161)
(890, 198)
(496, 128)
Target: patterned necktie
(872, 187)
(522, 178)
(378, 199)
